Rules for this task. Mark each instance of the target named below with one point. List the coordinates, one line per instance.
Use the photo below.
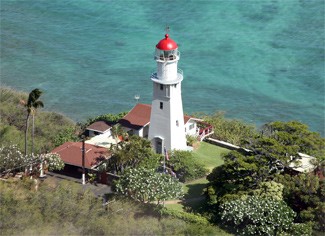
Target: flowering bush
(257, 216)
(147, 185)
(53, 161)
(12, 160)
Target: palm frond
(33, 97)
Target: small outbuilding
(99, 127)
(71, 155)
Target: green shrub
(190, 140)
(302, 229)
(186, 216)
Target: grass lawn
(210, 155)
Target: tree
(297, 134)
(265, 159)
(305, 194)
(257, 216)
(185, 165)
(32, 105)
(146, 185)
(134, 152)
(239, 173)
(270, 153)
(66, 135)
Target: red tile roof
(186, 118)
(139, 116)
(71, 154)
(100, 126)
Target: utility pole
(42, 175)
(83, 151)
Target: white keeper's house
(163, 122)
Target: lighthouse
(167, 129)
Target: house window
(177, 123)
(161, 87)
(161, 105)
(191, 126)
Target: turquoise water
(259, 61)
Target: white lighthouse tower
(167, 118)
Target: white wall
(191, 127)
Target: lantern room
(166, 50)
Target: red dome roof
(167, 44)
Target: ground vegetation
(67, 209)
(13, 123)
(229, 130)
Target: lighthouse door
(158, 145)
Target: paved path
(185, 200)
(99, 189)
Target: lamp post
(83, 160)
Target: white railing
(179, 71)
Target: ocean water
(258, 61)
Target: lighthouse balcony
(154, 77)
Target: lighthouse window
(177, 123)
(161, 105)
(167, 91)
(161, 87)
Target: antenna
(167, 29)
(137, 97)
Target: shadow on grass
(195, 201)
(195, 198)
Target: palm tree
(32, 104)
(117, 131)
